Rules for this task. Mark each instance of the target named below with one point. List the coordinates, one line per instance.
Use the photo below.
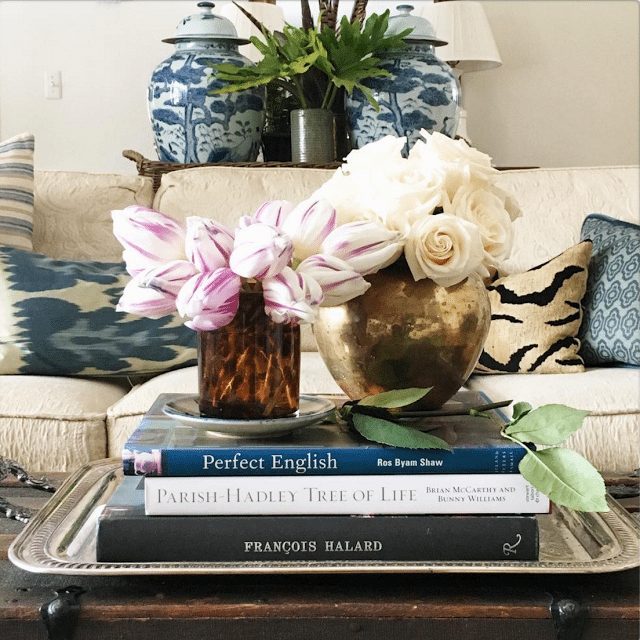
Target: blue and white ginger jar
(189, 124)
(421, 92)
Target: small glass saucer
(312, 409)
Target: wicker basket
(155, 169)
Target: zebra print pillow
(536, 315)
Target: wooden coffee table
(314, 607)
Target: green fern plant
(346, 58)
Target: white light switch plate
(52, 85)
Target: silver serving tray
(61, 539)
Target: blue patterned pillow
(610, 331)
(58, 317)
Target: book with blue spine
(161, 446)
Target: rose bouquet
(442, 199)
(425, 320)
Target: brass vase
(249, 369)
(402, 333)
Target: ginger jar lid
(423, 30)
(206, 25)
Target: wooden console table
(371, 607)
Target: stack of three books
(322, 493)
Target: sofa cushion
(55, 423)
(226, 193)
(124, 416)
(72, 216)
(535, 317)
(554, 203)
(610, 437)
(16, 191)
(610, 331)
(58, 317)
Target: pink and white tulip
(367, 246)
(308, 225)
(152, 292)
(338, 281)
(149, 238)
(142, 301)
(209, 300)
(260, 251)
(273, 212)
(291, 297)
(208, 244)
(169, 277)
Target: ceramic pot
(421, 91)
(402, 333)
(250, 368)
(189, 124)
(313, 136)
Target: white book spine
(350, 495)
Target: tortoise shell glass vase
(249, 369)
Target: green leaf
(350, 55)
(385, 432)
(520, 409)
(566, 478)
(346, 57)
(285, 56)
(396, 398)
(345, 411)
(550, 424)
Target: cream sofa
(59, 423)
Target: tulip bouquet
(297, 255)
(453, 219)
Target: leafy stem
(563, 475)
(508, 437)
(314, 64)
(299, 92)
(329, 97)
(372, 418)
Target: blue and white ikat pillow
(610, 330)
(58, 317)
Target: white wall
(567, 93)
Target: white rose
(486, 210)
(376, 154)
(383, 186)
(510, 203)
(348, 194)
(460, 163)
(405, 195)
(444, 248)
(354, 189)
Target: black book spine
(142, 538)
